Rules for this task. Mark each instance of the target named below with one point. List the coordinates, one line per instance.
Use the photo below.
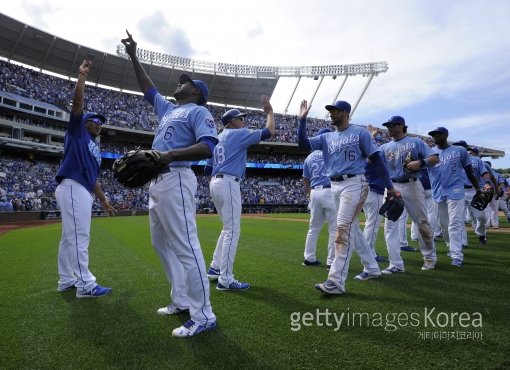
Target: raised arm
(303, 141)
(142, 77)
(79, 90)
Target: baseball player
(228, 167)
(482, 174)
(77, 179)
(186, 132)
(318, 187)
(493, 207)
(345, 152)
(404, 157)
(447, 181)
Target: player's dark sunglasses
(241, 118)
(97, 121)
(390, 125)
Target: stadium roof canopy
(229, 84)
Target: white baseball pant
(226, 195)
(478, 217)
(414, 201)
(322, 209)
(174, 237)
(372, 217)
(349, 196)
(451, 217)
(75, 204)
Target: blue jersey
(447, 177)
(375, 181)
(181, 126)
(314, 169)
(82, 156)
(345, 152)
(396, 152)
(425, 178)
(230, 153)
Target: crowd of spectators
(130, 110)
(30, 186)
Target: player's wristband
(423, 163)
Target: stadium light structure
(318, 73)
(245, 70)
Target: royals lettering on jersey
(95, 151)
(181, 126)
(395, 153)
(314, 169)
(447, 176)
(345, 152)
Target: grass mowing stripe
(42, 328)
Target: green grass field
(281, 322)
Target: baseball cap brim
(183, 78)
(435, 132)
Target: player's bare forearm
(142, 77)
(191, 153)
(98, 192)
(79, 90)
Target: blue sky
(448, 60)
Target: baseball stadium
(440, 316)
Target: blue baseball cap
(340, 104)
(474, 149)
(439, 130)
(230, 115)
(461, 143)
(395, 120)
(323, 131)
(183, 78)
(95, 117)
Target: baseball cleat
(428, 265)
(329, 287)
(171, 309)
(213, 273)
(310, 263)
(457, 262)
(482, 239)
(392, 270)
(366, 276)
(192, 328)
(96, 292)
(235, 285)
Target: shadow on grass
(117, 336)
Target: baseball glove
(137, 167)
(480, 200)
(392, 207)
(489, 194)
